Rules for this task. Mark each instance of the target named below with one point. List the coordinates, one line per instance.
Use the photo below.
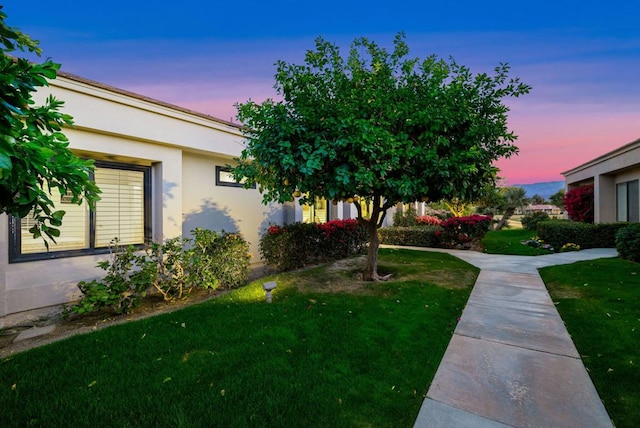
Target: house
(163, 172)
(615, 176)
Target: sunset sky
(582, 58)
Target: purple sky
(581, 57)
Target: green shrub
(419, 236)
(560, 232)
(299, 244)
(125, 284)
(530, 221)
(172, 268)
(408, 218)
(219, 258)
(628, 242)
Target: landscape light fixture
(268, 287)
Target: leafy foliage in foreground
(315, 357)
(34, 153)
(599, 301)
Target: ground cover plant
(599, 301)
(510, 241)
(330, 350)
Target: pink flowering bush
(296, 245)
(428, 220)
(463, 231)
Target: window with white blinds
(122, 213)
(120, 210)
(74, 232)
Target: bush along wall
(557, 233)
(172, 269)
(299, 244)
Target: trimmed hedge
(628, 242)
(417, 236)
(530, 221)
(586, 235)
(299, 244)
(454, 232)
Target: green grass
(329, 351)
(509, 241)
(599, 302)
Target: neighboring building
(543, 208)
(615, 176)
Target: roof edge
(145, 98)
(602, 158)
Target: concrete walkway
(511, 361)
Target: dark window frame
(632, 207)
(219, 182)
(15, 236)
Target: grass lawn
(329, 351)
(508, 241)
(599, 302)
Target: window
(628, 201)
(316, 212)
(224, 177)
(123, 212)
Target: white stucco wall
(232, 209)
(181, 147)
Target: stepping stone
(34, 332)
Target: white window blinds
(120, 211)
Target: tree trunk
(371, 270)
(505, 218)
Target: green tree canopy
(34, 153)
(379, 125)
(557, 199)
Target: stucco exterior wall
(182, 149)
(605, 172)
(232, 209)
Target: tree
(512, 198)
(377, 125)
(538, 200)
(34, 153)
(557, 199)
(579, 203)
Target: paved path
(511, 361)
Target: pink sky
(581, 57)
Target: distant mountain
(543, 189)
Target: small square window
(224, 177)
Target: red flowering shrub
(299, 244)
(429, 220)
(458, 231)
(579, 203)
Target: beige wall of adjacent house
(605, 172)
